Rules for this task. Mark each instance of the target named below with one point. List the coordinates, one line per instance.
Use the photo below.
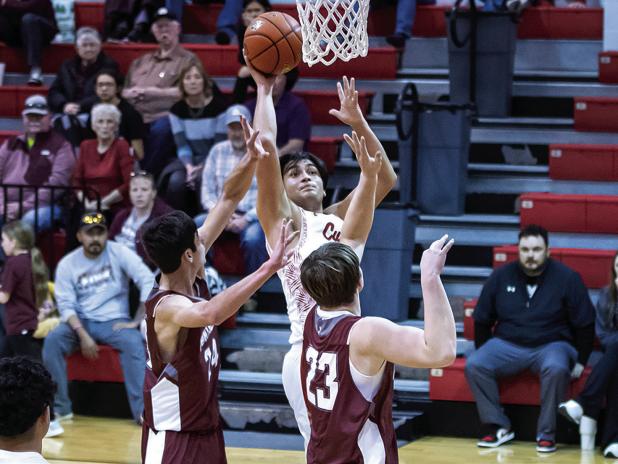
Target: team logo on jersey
(330, 233)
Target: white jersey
(316, 229)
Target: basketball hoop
(333, 29)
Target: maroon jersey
(346, 427)
(181, 395)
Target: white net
(333, 29)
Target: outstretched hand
(370, 165)
(259, 78)
(349, 112)
(255, 149)
(433, 259)
(280, 255)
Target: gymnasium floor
(101, 441)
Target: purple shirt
(20, 311)
(293, 118)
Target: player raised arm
(359, 216)
(350, 113)
(182, 312)
(374, 339)
(234, 190)
(273, 204)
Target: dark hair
(112, 73)
(208, 84)
(26, 389)
(288, 161)
(331, 274)
(533, 230)
(167, 237)
(23, 235)
(265, 4)
(290, 79)
(613, 291)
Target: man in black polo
(532, 314)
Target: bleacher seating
(450, 384)
(595, 114)
(596, 214)
(549, 22)
(608, 67)
(583, 162)
(592, 265)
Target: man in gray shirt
(92, 293)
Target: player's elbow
(446, 355)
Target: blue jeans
(63, 341)
(45, 217)
(176, 7)
(499, 358)
(159, 146)
(406, 13)
(252, 243)
(229, 17)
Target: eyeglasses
(37, 106)
(141, 174)
(94, 218)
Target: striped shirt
(220, 162)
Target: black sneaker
(222, 38)
(396, 40)
(495, 438)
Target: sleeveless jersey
(316, 229)
(346, 427)
(181, 396)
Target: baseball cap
(234, 113)
(36, 104)
(91, 220)
(164, 13)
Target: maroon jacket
(159, 209)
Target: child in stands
(24, 290)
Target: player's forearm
(229, 301)
(387, 178)
(359, 216)
(265, 118)
(238, 182)
(440, 333)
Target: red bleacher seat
(602, 214)
(106, 368)
(327, 149)
(468, 321)
(608, 67)
(449, 384)
(557, 213)
(6, 134)
(13, 98)
(548, 22)
(592, 265)
(596, 114)
(583, 162)
(320, 101)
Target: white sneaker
(611, 451)
(54, 430)
(572, 410)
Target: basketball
(273, 43)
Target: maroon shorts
(168, 447)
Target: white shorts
(293, 389)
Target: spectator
(197, 123)
(72, 94)
(23, 290)
(152, 88)
(223, 157)
(107, 86)
(92, 286)
(251, 10)
(26, 394)
(293, 118)
(29, 24)
(127, 224)
(544, 322)
(404, 21)
(602, 385)
(104, 164)
(39, 157)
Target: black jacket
(76, 84)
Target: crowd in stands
(163, 137)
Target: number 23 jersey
(182, 395)
(350, 413)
